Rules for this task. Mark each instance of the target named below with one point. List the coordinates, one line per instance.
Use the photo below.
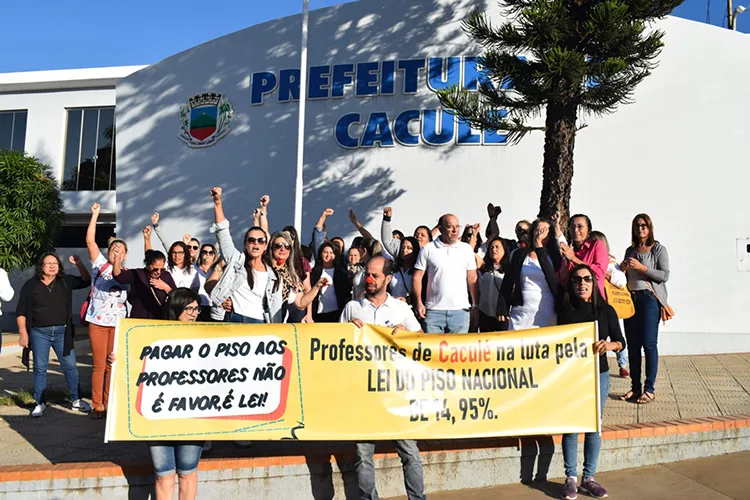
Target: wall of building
(675, 153)
(45, 134)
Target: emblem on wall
(204, 119)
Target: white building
(62, 117)
(374, 136)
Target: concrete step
(314, 471)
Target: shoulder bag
(87, 302)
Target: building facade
(226, 113)
(66, 119)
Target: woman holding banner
(583, 303)
(180, 457)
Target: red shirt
(594, 254)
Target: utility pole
(730, 15)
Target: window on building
(74, 236)
(90, 150)
(13, 130)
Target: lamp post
(739, 10)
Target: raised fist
(216, 194)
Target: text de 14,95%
(424, 410)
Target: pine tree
(563, 58)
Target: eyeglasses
(50, 264)
(177, 252)
(194, 247)
(279, 246)
(261, 240)
(193, 309)
(579, 279)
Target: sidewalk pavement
(687, 387)
(718, 478)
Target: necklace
(50, 286)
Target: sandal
(630, 396)
(646, 398)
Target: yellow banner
(223, 381)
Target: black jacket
(342, 287)
(25, 305)
(511, 287)
(606, 317)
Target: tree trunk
(559, 142)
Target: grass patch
(21, 397)
(24, 397)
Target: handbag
(87, 302)
(665, 310)
(620, 300)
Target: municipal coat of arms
(204, 119)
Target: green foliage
(31, 210)
(584, 55)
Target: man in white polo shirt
(377, 307)
(451, 268)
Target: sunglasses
(193, 247)
(642, 226)
(579, 279)
(261, 240)
(208, 252)
(279, 246)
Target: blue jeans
(171, 456)
(622, 359)
(41, 339)
(592, 442)
(410, 463)
(443, 321)
(642, 332)
(238, 318)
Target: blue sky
(47, 34)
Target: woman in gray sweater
(646, 265)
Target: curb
(48, 472)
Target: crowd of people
(443, 279)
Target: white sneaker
(207, 446)
(38, 410)
(81, 405)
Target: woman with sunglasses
(646, 265)
(207, 258)
(282, 253)
(180, 457)
(582, 303)
(249, 278)
(149, 285)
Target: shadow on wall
(157, 172)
